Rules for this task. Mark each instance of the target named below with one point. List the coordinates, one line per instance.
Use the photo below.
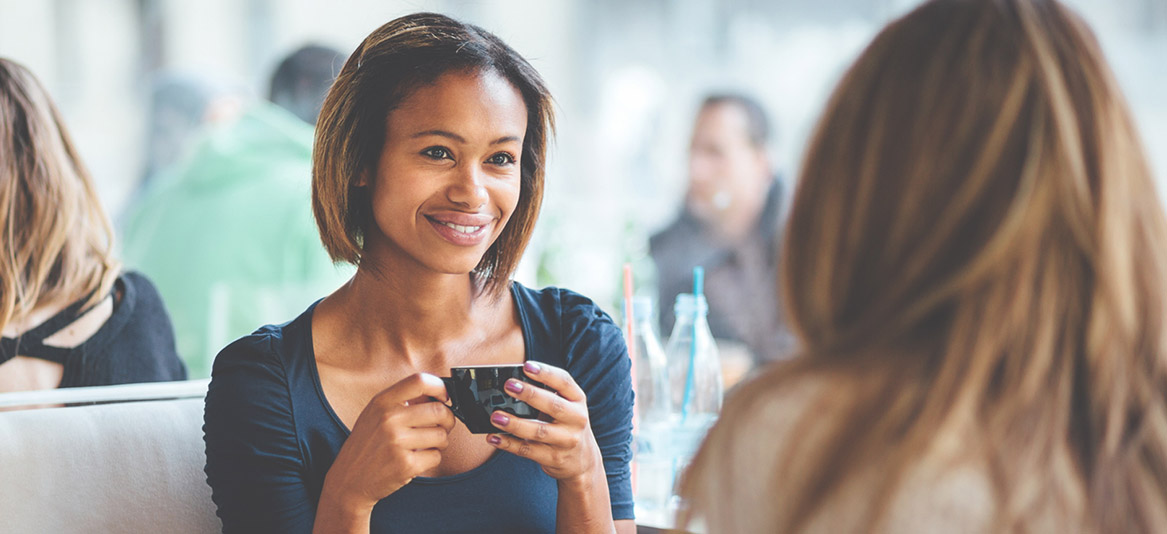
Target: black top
(271, 435)
(136, 343)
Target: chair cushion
(133, 467)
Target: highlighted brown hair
(389, 64)
(976, 248)
(56, 245)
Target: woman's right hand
(399, 435)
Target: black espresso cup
(477, 390)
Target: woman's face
(448, 177)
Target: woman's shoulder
(141, 300)
(276, 350)
(568, 330)
(141, 303)
(762, 420)
(775, 403)
(137, 340)
(781, 419)
(253, 403)
(139, 281)
(567, 321)
(567, 309)
(553, 298)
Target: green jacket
(228, 235)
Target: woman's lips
(463, 229)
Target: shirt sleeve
(255, 466)
(597, 358)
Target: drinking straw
(629, 325)
(630, 340)
(629, 317)
(698, 289)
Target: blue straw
(698, 289)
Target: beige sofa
(133, 466)
(124, 467)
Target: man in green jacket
(228, 235)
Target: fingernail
(514, 386)
(493, 439)
(499, 419)
(531, 367)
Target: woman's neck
(410, 314)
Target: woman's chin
(456, 267)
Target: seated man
(730, 225)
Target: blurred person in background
(975, 269)
(303, 78)
(68, 313)
(181, 107)
(227, 234)
(730, 225)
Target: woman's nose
(469, 188)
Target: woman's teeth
(463, 229)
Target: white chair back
(127, 467)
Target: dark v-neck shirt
(271, 435)
(136, 343)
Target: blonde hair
(975, 243)
(56, 242)
(397, 58)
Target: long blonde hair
(56, 245)
(976, 243)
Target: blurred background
(628, 77)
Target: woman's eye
(436, 152)
(502, 158)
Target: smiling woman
(428, 176)
(448, 177)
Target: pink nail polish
(514, 386)
(493, 440)
(499, 419)
(531, 367)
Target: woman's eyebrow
(507, 139)
(440, 133)
(460, 139)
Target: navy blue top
(136, 343)
(271, 436)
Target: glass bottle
(695, 386)
(652, 382)
(696, 392)
(652, 461)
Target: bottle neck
(700, 319)
(644, 326)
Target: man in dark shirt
(731, 226)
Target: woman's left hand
(564, 446)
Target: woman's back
(64, 302)
(974, 266)
(948, 488)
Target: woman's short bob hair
(403, 55)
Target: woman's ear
(363, 179)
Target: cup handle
(453, 406)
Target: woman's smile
(463, 229)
